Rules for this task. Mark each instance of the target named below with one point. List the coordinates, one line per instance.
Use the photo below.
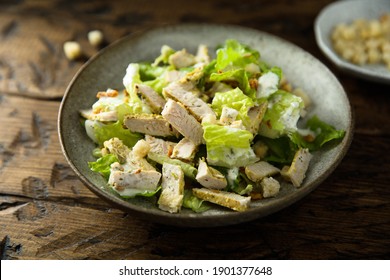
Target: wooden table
(47, 213)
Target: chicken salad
(189, 129)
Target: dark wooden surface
(47, 213)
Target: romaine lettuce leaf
(227, 146)
(131, 78)
(194, 203)
(235, 55)
(122, 110)
(236, 75)
(166, 52)
(100, 132)
(281, 150)
(234, 64)
(323, 132)
(131, 193)
(234, 99)
(188, 169)
(237, 181)
(148, 72)
(157, 84)
(282, 114)
(102, 164)
(154, 76)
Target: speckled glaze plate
(346, 12)
(107, 69)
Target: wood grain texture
(47, 213)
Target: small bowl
(107, 69)
(346, 12)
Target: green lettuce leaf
(131, 193)
(235, 55)
(234, 99)
(102, 165)
(157, 84)
(236, 75)
(194, 203)
(323, 132)
(281, 150)
(154, 76)
(232, 66)
(148, 72)
(163, 58)
(237, 181)
(103, 132)
(227, 146)
(282, 115)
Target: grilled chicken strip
(231, 200)
(182, 93)
(154, 125)
(259, 170)
(160, 146)
(154, 100)
(210, 177)
(172, 184)
(183, 122)
(297, 171)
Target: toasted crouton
(116, 147)
(270, 187)
(260, 149)
(141, 149)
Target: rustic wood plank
(42, 70)
(31, 161)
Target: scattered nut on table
(95, 37)
(72, 50)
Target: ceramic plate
(107, 69)
(346, 12)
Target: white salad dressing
(268, 84)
